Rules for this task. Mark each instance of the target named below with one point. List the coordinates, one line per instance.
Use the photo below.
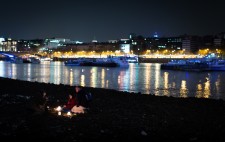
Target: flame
(69, 113)
(59, 108)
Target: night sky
(103, 20)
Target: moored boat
(32, 60)
(208, 63)
(16, 60)
(110, 61)
(217, 65)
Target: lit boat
(110, 61)
(32, 60)
(130, 58)
(16, 60)
(45, 59)
(207, 63)
(217, 65)
(187, 66)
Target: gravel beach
(113, 116)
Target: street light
(138, 55)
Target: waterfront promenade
(113, 116)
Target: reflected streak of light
(103, 78)
(93, 77)
(28, 72)
(67, 75)
(166, 75)
(44, 72)
(132, 77)
(71, 77)
(207, 89)
(118, 80)
(107, 84)
(14, 73)
(183, 89)
(217, 84)
(157, 77)
(77, 75)
(173, 85)
(147, 77)
(82, 80)
(125, 80)
(57, 74)
(199, 91)
(2, 68)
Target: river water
(146, 78)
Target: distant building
(174, 43)
(132, 36)
(55, 42)
(30, 45)
(190, 44)
(62, 40)
(207, 42)
(217, 42)
(125, 48)
(23, 45)
(186, 45)
(112, 41)
(1, 43)
(124, 45)
(9, 45)
(155, 35)
(94, 41)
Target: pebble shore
(113, 116)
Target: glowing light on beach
(69, 113)
(59, 113)
(58, 108)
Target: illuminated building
(9, 45)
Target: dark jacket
(81, 99)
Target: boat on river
(130, 58)
(16, 60)
(20, 60)
(217, 65)
(32, 60)
(110, 61)
(210, 62)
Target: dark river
(146, 78)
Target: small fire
(59, 108)
(59, 113)
(69, 113)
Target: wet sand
(113, 116)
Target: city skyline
(108, 20)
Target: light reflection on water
(146, 78)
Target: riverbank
(113, 116)
(141, 60)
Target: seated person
(82, 102)
(44, 101)
(70, 104)
(38, 103)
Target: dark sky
(109, 19)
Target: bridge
(16, 54)
(8, 54)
